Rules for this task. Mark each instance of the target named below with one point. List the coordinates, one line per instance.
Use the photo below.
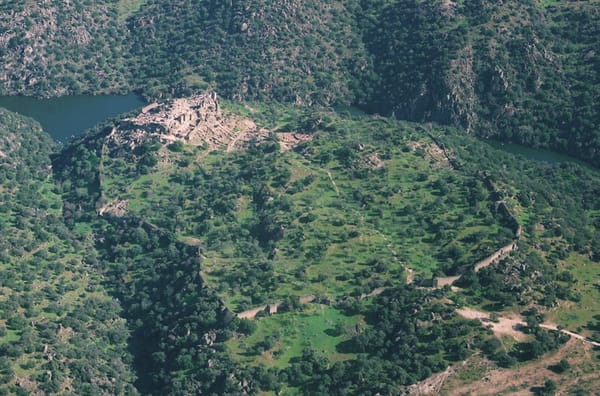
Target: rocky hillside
(516, 71)
(296, 51)
(61, 48)
(60, 332)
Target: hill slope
(60, 332)
(61, 48)
(316, 243)
(296, 51)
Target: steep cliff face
(535, 82)
(61, 47)
(412, 44)
(513, 66)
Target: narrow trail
(570, 333)
(493, 380)
(335, 187)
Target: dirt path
(570, 333)
(335, 187)
(519, 380)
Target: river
(68, 116)
(535, 154)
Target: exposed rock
(117, 208)
(449, 7)
(196, 121)
(373, 161)
(53, 48)
(461, 81)
(433, 151)
(288, 141)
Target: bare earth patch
(432, 385)
(521, 380)
(503, 326)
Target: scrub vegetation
(341, 229)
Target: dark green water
(69, 116)
(532, 153)
(350, 111)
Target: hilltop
(315, 239)
(195, 121)
(332, 223)
(225, 243)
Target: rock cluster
(197, 120)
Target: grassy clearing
(10, 336)
(576, 316)
(350, 226)
(127, 8)
(291, 333)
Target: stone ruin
(197, 120)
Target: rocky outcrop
(117, 208)
(197, 121)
